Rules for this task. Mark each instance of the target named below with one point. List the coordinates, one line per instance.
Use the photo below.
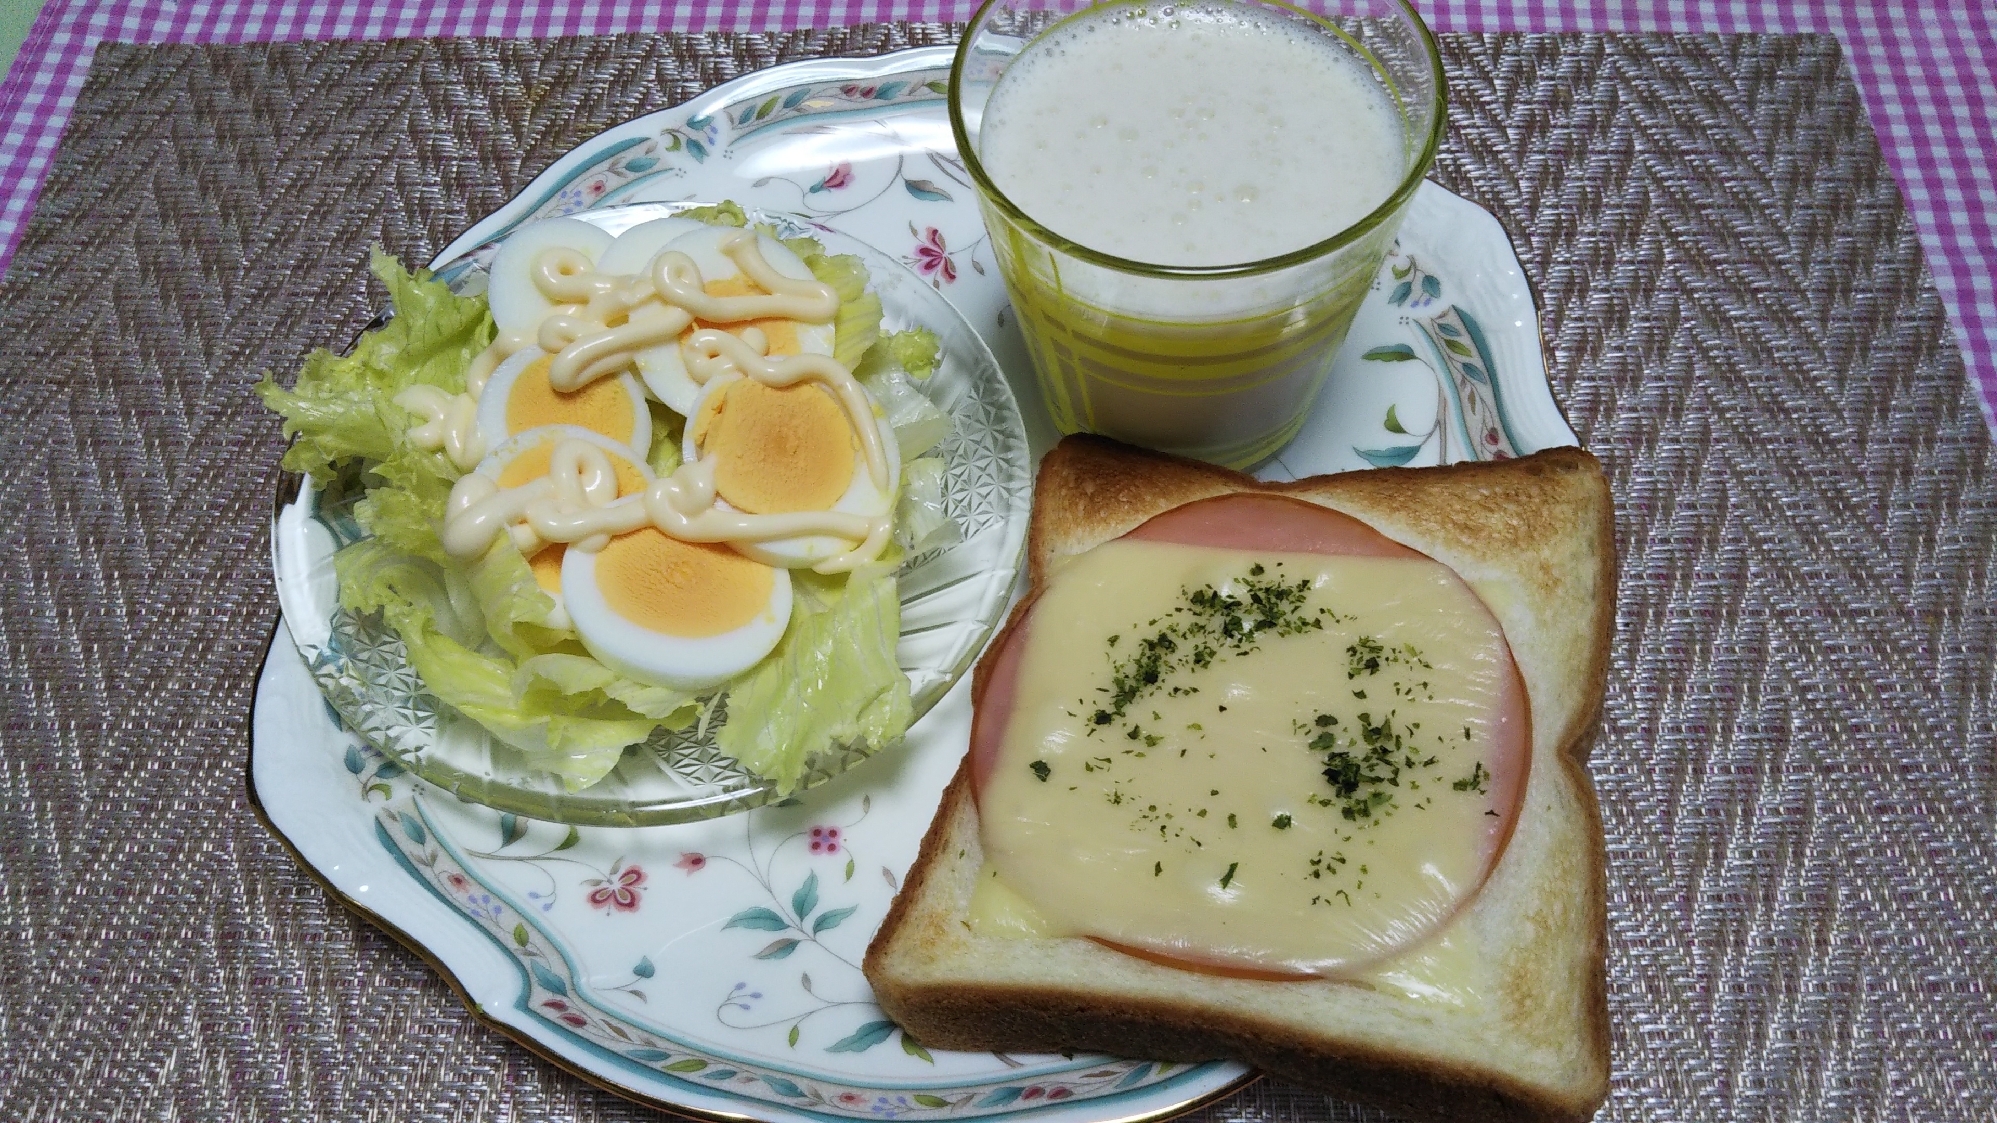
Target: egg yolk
(687, 589)
(603, 406)
(547, 567)
(777, 450)
(782, 334)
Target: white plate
(711, 967)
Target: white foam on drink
(1191, 135)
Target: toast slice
(1526, 1038)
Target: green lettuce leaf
(804, 248)
(844, 272)
(921, 522)
(343, 406)
(578, 675)
(667, 429)
(918, 425)
(575, 724)
(832, 680)
(725, 213)
(404, 506)
(859, 321)
(375, 576)
(514, 606)
(577, 737)
(915, 351)
(858, 325)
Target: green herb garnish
(1207, 626)
(1475, 782)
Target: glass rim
(1410, 181)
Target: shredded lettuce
(832, 680)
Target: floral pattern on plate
(1458, 356)
(551, 896)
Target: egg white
(632, 253)
(492, 405)
(516, 302)
(649, 656)
(496, 461)
(663, 367)
(862, 497)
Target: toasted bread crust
(1541, 526)
(1016, 1018)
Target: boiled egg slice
(687, 615)
(516, 301)
(664, 367)
(783, 450)
(519, 397)
(632, 253)
(526, 458)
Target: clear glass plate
(950, 598)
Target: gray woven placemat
(1798, 767)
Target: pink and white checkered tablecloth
(1923, 65)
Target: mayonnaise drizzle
(450, 422)
(576, 502)
(503, 347)
(586, 349)
(597, 328)
(580, 479)
(676, 278)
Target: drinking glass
(1219, 362)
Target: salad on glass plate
(626, 518)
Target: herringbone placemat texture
(1798, 766)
